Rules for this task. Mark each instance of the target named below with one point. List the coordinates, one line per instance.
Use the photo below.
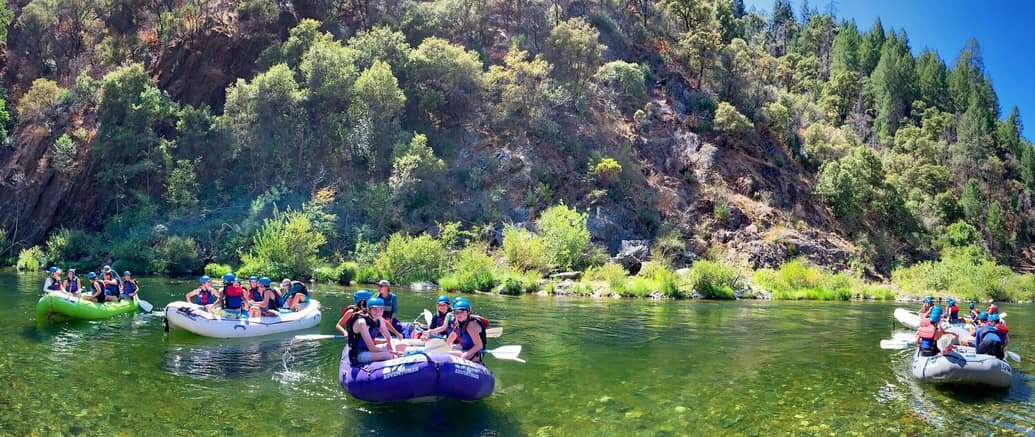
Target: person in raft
(992, 309)
(954, 312)
(129, 286)
(987, 339)
(974, 313)
(929, 333)
(925, 309)
(252, 293)
(111, 285)
(363, 328)
(267, 301)
(96, 289)
(391, 308)
(359, 304)
(204, 294)
(443, 320)
(72, 284)
(232, 296)
(53, 282)
(293, 294)
(470, 335)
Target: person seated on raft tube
(928, 334)
(97, 289)
(252, 293)
(293, 293)
(129, 286)
(204, 294)
(987, 339)
(267, 300)
(72, 284)
(954, 312)
(442, 322)
(359, 304)
(973, 314)
(111, 285)
(232, 296)
(53, 282)
(992, 309)
(363, 328)
(925, 309)
(470, 335)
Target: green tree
(446, 77)
(375, 109)
(574, 52)
(287, 246)
(416, 174)
(726, 16)
(36, 22)
(381, 44)
(521, 90)
(871, 49)
(974, 139)
(626, 83)
(303, 36)
(727, 120)
(182, 187)
(328, 69)
(700, 49)
(38, 103)
(689, 13)
(64, 155)
(565, 234)
(408, 259)
(892, 86)
(932, 76)
(845, 54)
(996, 226)
(851, 185)
(972, 202)
(525, 251)
(839, 95)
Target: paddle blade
(1013, 356)
(893, 344)
(427, 317)
(507, 353)
(317, 337)
(494, 332)
(146, 306)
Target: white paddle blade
(494, 332)
(146, 306)
(507, 353)
(1013, 356)
(427, 317)
(316, 337)
(892, 344)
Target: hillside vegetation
(291, 137)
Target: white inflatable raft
(227, 324)
(907, 318)
(962, 367)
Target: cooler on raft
(416, 377)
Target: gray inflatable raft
(963, 367)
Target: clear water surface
(615, 367)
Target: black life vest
(356, 343)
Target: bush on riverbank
(473, 270)
(796, 280)
(412, 258)
(30, 259)
(966, 273)
(286, 246)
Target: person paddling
(927, 336)
(986, 339)
(96, 289)
(204, 294)
(363, 329)
(471, 336)
(129, 286)
(442, 321)
(973, 313)
(232, 296)
(53, 282)
(72, 284)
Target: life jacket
(297, 287)
(356, 343)
(98, 287)
(466, 342)
(111, 289)
(274, 304)
(927, 339)
(987, 333)
(73, 286)
(205, 297)
(954, 314)
(440, 319)
(974, 313)
(992, 309)
(128, 287)
(390, 304)
(54, 285)
(233, 297)
(256, 294)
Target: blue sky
(1005, 31)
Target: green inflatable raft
(70, 306)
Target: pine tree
(972, 202)
(932, 76)
(892, 87)
(845, 53)
(870, 50)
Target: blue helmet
(935, 317)
(91, 275)
(265, 282)
(442, 299)
(205, 279)
(253, 278)
(983, 316)
(375, 302)
(952, 301)
(127, 273)
(462, 304)
(993, 318)
(229, 277)
(928, 300)
(936, 310)
(53, 270)
(971, 304)
(360, 296)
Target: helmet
(265, 282)
(229, 277)
(462, 304)
(936, 310)
(384, 282)
(253, 278)
(91, 275)
(952, 301)
(983, 316)
(375, 302)
(71, 270)
(442, 299)
(971, 304)
(53, 270)
(928, 300)
(935, 317)
(993, 318)
(127, 273)
(205, 279)
(361, 295)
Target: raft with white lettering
(417, 377)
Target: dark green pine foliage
(932, 81)
(870, 49)
(892, 86)
(845, 52)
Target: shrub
(214, 270)
(524, 251)
(795, 280)
(966, 273)
(728, 120)
(626, 81)
(714, 280)
(325, 273)
(369, 275)
(565, 235)
(408, 259)
(347, 271)
(66, 246)
(135, 254)
(473, 271)
(608, 272)
(515, 283)
(30, 259)
(37, 104)
(667, 283)
(176, 255)
(606, 171)
(285, 246)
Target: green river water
(595, 367)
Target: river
(615, 367)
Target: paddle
(509, 353)
(145, 305)
(897, 343)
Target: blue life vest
(128, 287)
(987, 333)
(205, 297)
(73, 286)
(391, 305)
(442, 319)
(233, 297)
(111, 289)
(466, 342)
(54, 285)
(256, 294)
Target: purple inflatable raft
(416, 377)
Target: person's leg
(369, 357)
